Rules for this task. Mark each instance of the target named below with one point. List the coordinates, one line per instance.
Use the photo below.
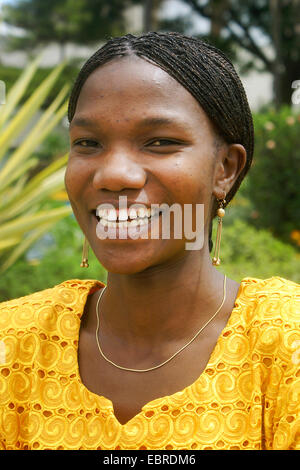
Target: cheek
(75, 177)
(192, 179)
(75, 182)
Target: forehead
(132, 85)
(120, 72)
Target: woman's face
(138, 133)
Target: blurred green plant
(272, 185)
(248, 251)
(10, 75)
(245, 252)
(53, 146)
(51, 260)
(25, 214)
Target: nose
(117, 171)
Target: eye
(85, 143)
(162, 143)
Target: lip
(128, 206)
(115, 204)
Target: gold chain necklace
(165, 362)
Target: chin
(138, 257)
(125, 266)
(133, 255)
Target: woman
(170, 354)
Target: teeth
(123, 224)
(140, 214)
(144, 221)
(102, 212)
(123, 214)
(132, 213)
(112, 215)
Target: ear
(230, 163)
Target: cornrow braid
(199, 67)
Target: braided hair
(199, 67)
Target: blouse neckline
(157, 402)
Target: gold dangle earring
(85, 254)
(220, 213)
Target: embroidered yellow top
(248, 396)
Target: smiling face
(138, 133)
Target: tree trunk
(151, 15)
(291, 74)
(286, 63)
(217, 17)
(148, 6)
(278, 67)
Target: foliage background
(261, 231)
(245, 251)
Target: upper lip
(115, 204)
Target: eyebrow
(146, 122)
(82, 122)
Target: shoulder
(45, 306)
(270, 284)
(268, 312)
(274, 298)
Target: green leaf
(35, 137)
(17, 91)
(24, 245)
(23, 116)
(24, 224)
(23, 199)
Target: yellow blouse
(248, 396)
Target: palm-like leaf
(24, 216)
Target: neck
(163, 302)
